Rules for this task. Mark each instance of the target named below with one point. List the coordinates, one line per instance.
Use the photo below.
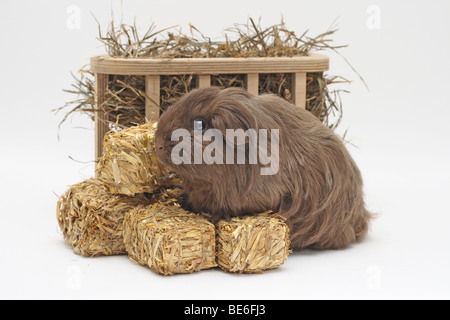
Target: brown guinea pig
(316, 185)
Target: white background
(400, 128)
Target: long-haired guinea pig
(314, 182)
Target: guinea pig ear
(234, 114)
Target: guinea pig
(315, 184)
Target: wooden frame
(152, 69)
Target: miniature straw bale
(252, 244)
(169, 240)
(91, 219)
(129, 165)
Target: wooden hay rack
(203, 68)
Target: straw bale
(91, 219)
(171, 196)
(252, 244)
(169, 240)
(129, 164)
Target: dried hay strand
(252, 244)
(276, 83)
(322, 102)
(249, 40)
(91, 219)
(129, 165)
(173, 87)
(169, 240)
(229, 80)
(124, 101)
(125, 98)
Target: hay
(229, 80)
(124, 105)
(169, 240)
(91, 219)
(241, 40)
(277, 83)
(129, 165)
(252, 244)
(124, 101)
(173, 87)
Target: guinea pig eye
(199, 125)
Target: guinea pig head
(187, 129)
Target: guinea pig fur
(318, 187)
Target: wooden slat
(150, 66)
(253, 83)
(152, 90)
(101, 126)
(204, 81)
(299, 89)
